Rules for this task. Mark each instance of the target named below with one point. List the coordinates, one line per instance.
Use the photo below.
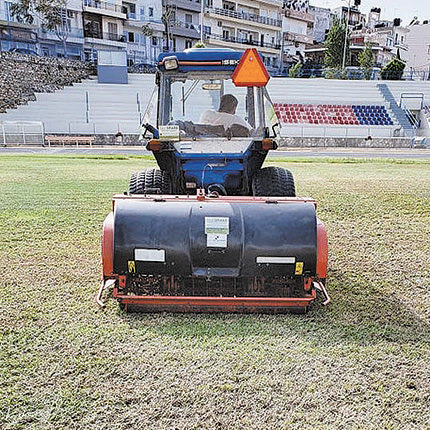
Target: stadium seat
(334, 114)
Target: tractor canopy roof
(203, 59)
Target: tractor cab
(192, 85)
(215, 119)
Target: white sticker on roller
(215, 240)
(276, 260)
(157, 255)
(217, 224)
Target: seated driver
(226, 114)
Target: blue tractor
(197, 144)
(211, 229)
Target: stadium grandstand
(305, 107)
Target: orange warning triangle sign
(250, 72)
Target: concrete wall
(293, 142)
(23, 75)
(337, 142)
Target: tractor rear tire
(150, 181)
(273, 182)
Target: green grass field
(363, 362)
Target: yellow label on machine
(299, 268)
(131, 266)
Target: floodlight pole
(346, 35)
(202, 11)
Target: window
(142, 12)
(112, 31)
(9, 16)
(67, 22)
(225, 34)
(188, 44)
(131, 37)
(188, 18)
(226, 5)
(151, 11)
(112, 28)
(154, 41)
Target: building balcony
(300, 38)
(401, 45)
(104, 8)
(185, 29)
(251, 18)
(190, 5)
(246, 43)
(75, 34)
(110, 39)
(302, 16)
(141, 20)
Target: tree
(52, 15)
(168, 20)
(334, 44)
(393, 70)
(365, 58)
(295, 71)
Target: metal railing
(103, 5)
(246, 16)
(244, 41)
(296, 37)
(416, 75)
(22, 133)
(187, 25)
(411, 118)
(105, 36)
(304, 16)
(73, 32)
(417, 97)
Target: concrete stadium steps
(398, 88)
(324, 91)
(111, 107)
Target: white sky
(389, 8)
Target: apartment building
(387, 39)
(297, 29)
(14, 34)
(243, 24)
(323, 19)
(418, 55)
(183, 18)
(355, 16)
(133, 26)
(143, 30)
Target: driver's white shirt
(222, 118)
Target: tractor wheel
(273, 182)
(150, 181)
